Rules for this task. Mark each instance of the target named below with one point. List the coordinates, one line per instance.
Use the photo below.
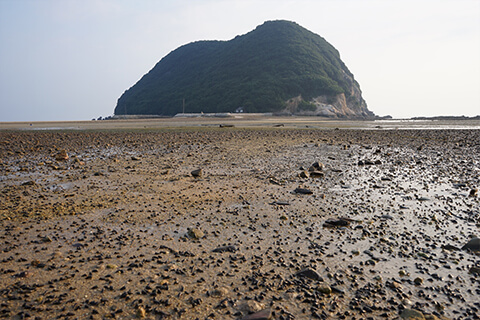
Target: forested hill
(278, 67)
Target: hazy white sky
(72, 59)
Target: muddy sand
(239, 223)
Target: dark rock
(308, 273)
(317, 166)
(61, 155)
(264, 314)
(325, 289)
(195, 233)
(196, 173)
(412, 314)
(423, 199)
(317, 174)
(304, 174)
(280, 203)
(303, 191)
(226, 249)
(340, 222)
(474, 270)
(450, 247)
(473, 244)
(219, 292)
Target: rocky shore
(231, 223)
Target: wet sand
(127, 227)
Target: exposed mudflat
(278, 223)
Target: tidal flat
(266, 221)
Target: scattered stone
(219, 292)
(45, 239)
(275, 181)
(61, 155)
(412, 314)
(325, 289)
(316, 166)
(195, 233)
(423, 199)
(366, 163)
(474, 270)
(395, 285)
(24, 274)
(230, 248)
(280, 203)
(141, 313)
(473, 245)
(450, 247)
(78, 161)
(197, 173)
(251, 306)
(303, 191)
(304, 174)
(308, 273)
(340, 222)
(317, 174)
(265, 314)
(473, 192)
(386, 217)
(84, 234)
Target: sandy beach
(239, 219)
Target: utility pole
(183, 106)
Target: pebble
(325, 289)
(303, 191)
(265, 314)
(308, 273)
(317, 174)
(340, 222)
(61, 155)
(230, 248)
(141, 313)
(412, 314)
(316, 167)
(251, 306)
(280, 203)
(195, 233)
(474, 270)
(219, 292)
(197, 173)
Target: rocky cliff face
(331, 107)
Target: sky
(64, 60)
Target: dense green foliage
(258, 72)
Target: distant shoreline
(250, 121)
